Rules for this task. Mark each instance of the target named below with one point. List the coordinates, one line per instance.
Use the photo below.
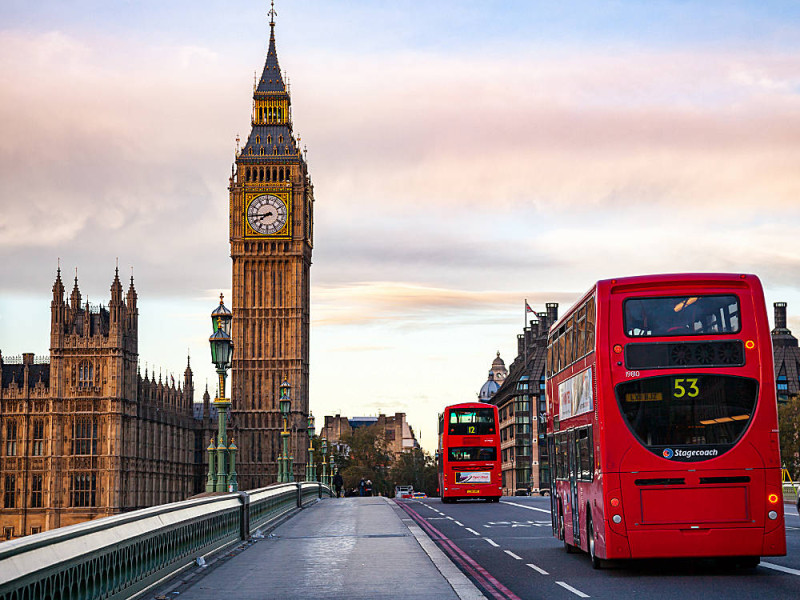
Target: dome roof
(498, 362)
(489, 388)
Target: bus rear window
(473, 454)
(688, 416)
(468, 421)
(681, 315)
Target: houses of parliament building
(83, 434)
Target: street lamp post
(331, 468)
(285, 472)
(324, 461)
(311, 470)
(221, 354)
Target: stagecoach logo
(692, 455)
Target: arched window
(261, 174)
(269, 139)
(280, 139)
(280, 174)
(261, 151)
(247, 173)
(85, 374)
(84, 436)
(258, 139)
(38, 437)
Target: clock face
(267, 214)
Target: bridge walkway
(337, 548)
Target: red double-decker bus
(662, 421)
(468, 458)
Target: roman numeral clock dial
(267, 214)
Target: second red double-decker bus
(468, 458)
(663, 421)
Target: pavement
(336, 548)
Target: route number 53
(685, 387)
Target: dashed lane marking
(451, 518)
(575, 591)
(780, 568)
(492, 542)
(459, 523)
(527, 507)
(512, 555)
(472, 531)
(537, 569)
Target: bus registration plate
(474, 477)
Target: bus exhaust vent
(664, 355)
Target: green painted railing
(124, 555)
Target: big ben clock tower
(271, 216)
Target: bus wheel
(597, 563)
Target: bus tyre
(597, 563)
(749, 562)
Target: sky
(465, 155)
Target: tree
(416, 468)
(789, 422)
(368, 458)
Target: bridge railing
(124, 555)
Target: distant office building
(786, 355)
(397, 432)
(82, 434)
(497, 375)
(521, 405)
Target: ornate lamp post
(324, 463)
(311, 469)
(285, 468)
(221, 355)
(330, 477)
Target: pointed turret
(57, 310)
(116, 290)
(75, 296)
(271, 133)
(130, 298)
(271, 79)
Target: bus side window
(590, 324)
(585, 449)
(569, 347)
(580, 332)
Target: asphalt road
(508, 550)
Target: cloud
(404, 303)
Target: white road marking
(472, 531)
(528, 507)
(512, 555)
(459, 523)
(538, 569)
(492, 542)
(451, 518)
(572, 589)
(780, 568)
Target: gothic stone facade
(82, 434)
(271, 201)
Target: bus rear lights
(749, 344)
(772, 515)
(617, 348)
(617, 519)
(772, 498)
(614, 502)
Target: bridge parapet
(124, 555)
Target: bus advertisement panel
(662, 421)
(468, 458)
